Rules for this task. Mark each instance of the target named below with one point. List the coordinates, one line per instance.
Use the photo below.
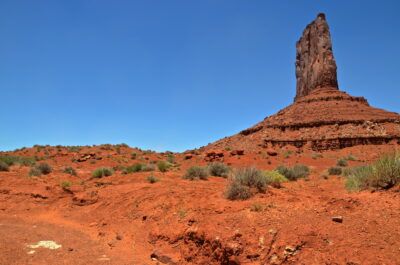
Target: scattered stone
(188, 156)
(238, 152)
(213, 155)
(338, 219)
(271, 152)
(118, 237)
(85, 198)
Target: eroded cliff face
(322, 117)
(315, 64)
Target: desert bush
(65, 184)
(242, 181)
(317, 156)
(74, 149)
(335, 171)
(218, 170)
(382, 174)
(274, 178)
(35, 172)
(195, 172)
(148, 167)
(44, 168)
(137, 167)
(152, 179)
(293, 173)
(250, 177)
(342, 163)
(3, 166)
(236, 191)
(102, 172)
(14, 160)
(257, 207)
(69, 170)
(351, 158)
(163, 166)
(171, 158)
(357, 177)
(133, 155)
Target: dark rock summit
(315, 64)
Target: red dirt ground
(123, 219)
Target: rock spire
(315, 64)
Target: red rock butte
(322, 117)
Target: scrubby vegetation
(242, 181)
(335, 170)
(195, 172)
(218, 170)
(65, 184)
(41, 169)
(3, 166)
(16, 160)
(342, 163)
(317, 156)
(163, 166)
(152, 179)
(294, 173)
(383, 174)
(102, 172)
(137, 167)
(69, 170)
(274, 178)
(147, 168)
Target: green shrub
(102, 172)
(3, 166)
(34, 172)
(294, 173)
(69, 170)
(242, 181)
(342, 163)
(147, 168)
(163, 166)
(195, 172)
(171, 158)
(236, 191)
(152, 179)
(335, 171)
(257, 207)
(137, 167)
(218, 170)
(274, 178)
(44, 168)
(357, 177)
(317, 156)
(133, 155)
(386, 173)
(65, 184)
(382, 174)
(351, 158)
(13, 160)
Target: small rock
(338, 219)
(118, 237)
(271, 152)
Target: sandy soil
(123, 219)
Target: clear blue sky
(175, 75)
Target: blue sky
(175, 75)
